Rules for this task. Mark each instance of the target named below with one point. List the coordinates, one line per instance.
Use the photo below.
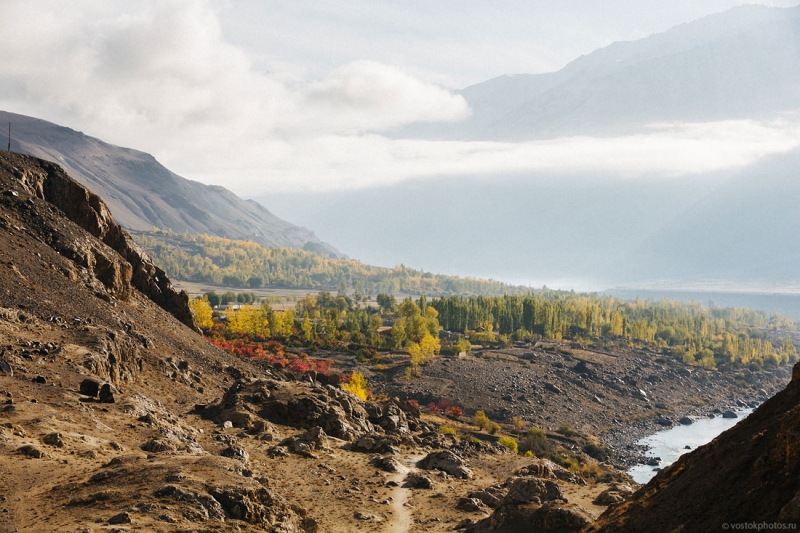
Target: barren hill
(142, 193)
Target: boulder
(470, 505)
(489, 500)
(236, 452)
(448, 462)
(614, 494)
(729, 414)
(389, 464)
(532, 490)
(54, 439)
(107, 393)
(686, 421)
(90, 387)
(418, 481)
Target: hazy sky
(263, 95)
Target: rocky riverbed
(618, 398)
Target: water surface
(671, 443)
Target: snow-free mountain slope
(142, 193)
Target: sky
(262, 96)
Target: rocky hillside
(141, 193)
(117, 416)
(750, 473)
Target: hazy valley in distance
(612, 221)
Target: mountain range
(595, 229)
(142, 193)
(740, 64)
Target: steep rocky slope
(141, 193)
(750, 473)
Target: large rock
(534, 504)
(298, 404)
(448, 462)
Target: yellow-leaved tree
(201, 310)
(357, 385)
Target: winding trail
(401, 520)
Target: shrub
(590, 470)
(493, 428)
(455, 412)
(481, 420)
(535, 441)
(566, 430)
(568, 462)
(509, 443)
(597, 451)
(529, 454)
(447, 430)
(518, 423)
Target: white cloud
(159, 75)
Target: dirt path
(401, 520)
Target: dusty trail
(401, 520)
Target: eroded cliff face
(750, 473)
(120, 266)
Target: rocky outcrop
(121, 266)
(299, 404)
(750, 472)
(534, 504)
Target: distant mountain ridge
(743, 63)
(142, 193)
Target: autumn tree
(201, 309)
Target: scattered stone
(663, 421)
(6, 368)
(236, 452)
(388, 464)
(464, 524)
(365, 516)
(31, 451)
(470, 505)
(614, 494)
(653, 461)
(416, 480)
(552, 388)
(54, 439)
(489, 500)
(121, 518)
(159, 445)
(39, 379)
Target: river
(671, 443)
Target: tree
(202, 312)
(357, 385)
(255, 282)
(387, 303)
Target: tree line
(700, 336)
(246, 264)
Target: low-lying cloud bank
(160, 76)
